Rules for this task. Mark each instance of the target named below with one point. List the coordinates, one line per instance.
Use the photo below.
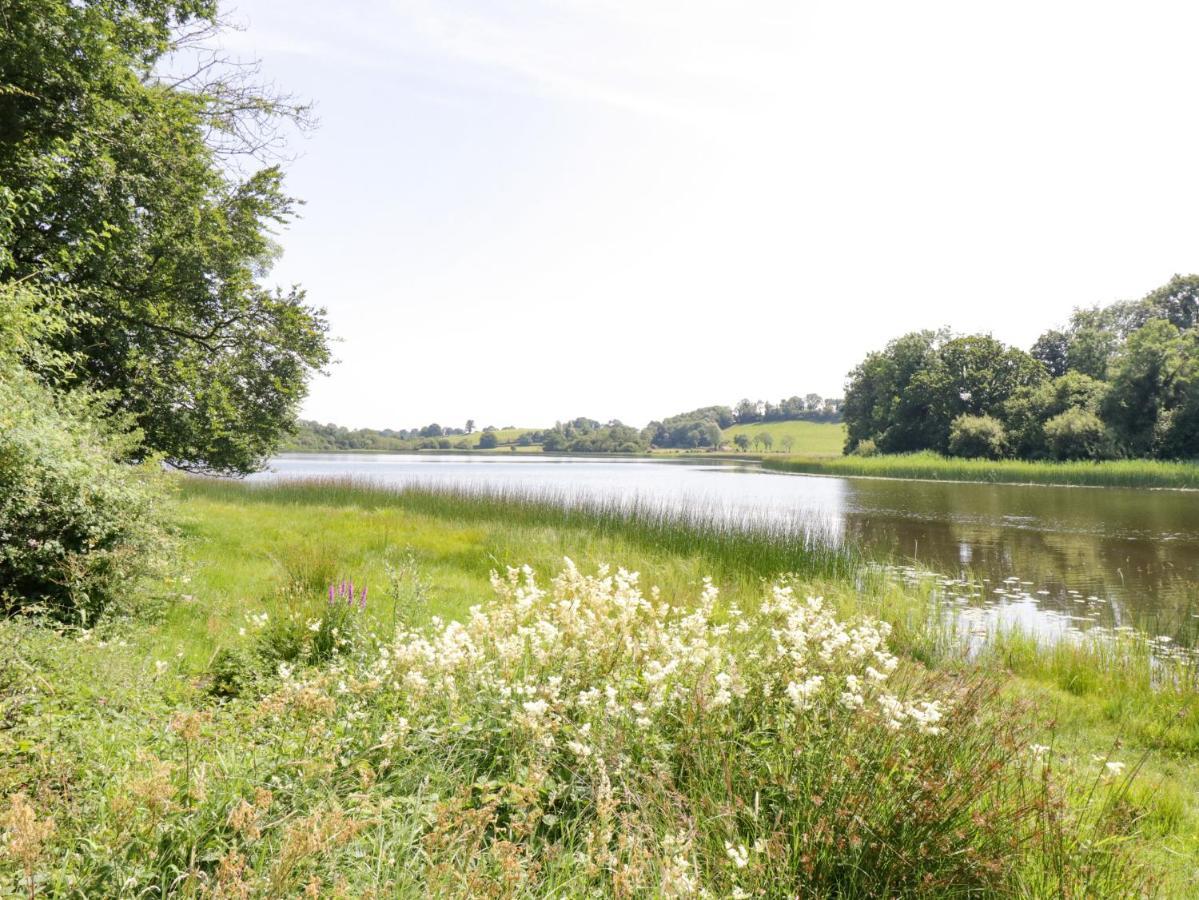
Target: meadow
(814, 439)
(334, 695)
(506, 438)
(932, 466)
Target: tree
(1151, 378)
(1090, 347)
(767, 440)
(488, 441)
(748, 411)
(1177, 302)
(788, 442)
(1030, 407)
(879, 404)
(813, 402)
(146, 204)
(1051, 350)
(470, 426)
(742, 441)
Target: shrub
(1077, 434)
(866, 448)
(488, 441)
(977, 437)
(305, 632)
(77, 525)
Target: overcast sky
(519, 212)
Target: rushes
(1111, 473)
(732, 544)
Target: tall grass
(932, 466)
(456, 758)
(739, 543)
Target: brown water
(1072, 557)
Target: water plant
(1109, 473)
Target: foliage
(1030, 408)
(1134, 365)
(77, 527)
(866, 448)
(1076, 434)
(126, 191)
(488, 441)
(584, 435)
(690, 430)
(977, 437)
(880, 402)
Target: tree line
(697, 429)
(1117, 381)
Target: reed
(740, 543)
(931, 466)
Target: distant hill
(315, 437)
(808, 425)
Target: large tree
(880, 404)
(144, 204)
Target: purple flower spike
(330, 591)
(362, 602)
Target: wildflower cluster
(583, 736)
(593, 654)
(590, 685)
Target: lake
(1052, 558)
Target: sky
(521, 212)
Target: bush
(1076, 434)
(488, 441)
(977, 437)
(866, 448)
(77, 525)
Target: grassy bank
(218, 738)
(1112, 473)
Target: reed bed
(931, 466)
(734, 543)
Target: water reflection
(1116, 557)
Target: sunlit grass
(101, 705)
(805, 438)
(1111, 473)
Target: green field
(215, 738)
(808, 438)
(505, 436)
(1112, 473)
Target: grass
(1112, 473)
(818, 439)
(506, 437)
(331, 782)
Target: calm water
(1071, 557)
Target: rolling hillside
(810, 438)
